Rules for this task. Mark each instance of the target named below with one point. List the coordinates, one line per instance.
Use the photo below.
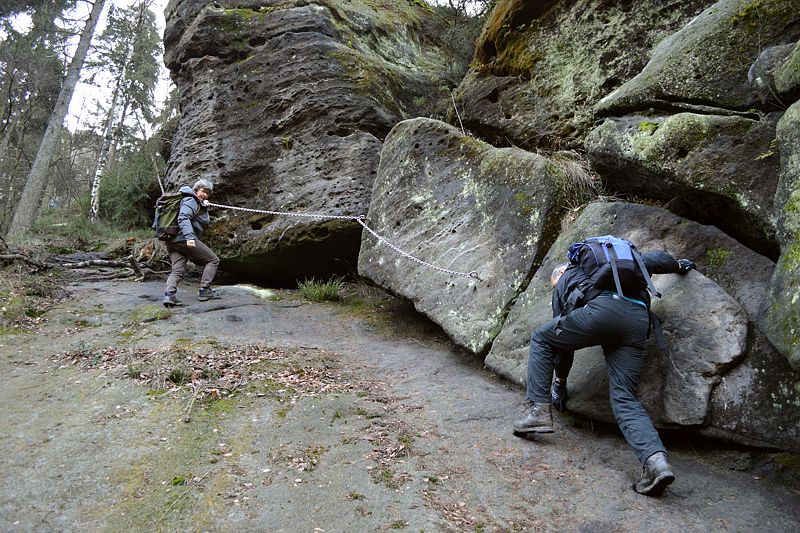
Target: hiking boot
(538, 420)
(208, 293)
(558, 394)
(171, 301)
(656, 475)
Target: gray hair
(203, 184)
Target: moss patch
(148, 313)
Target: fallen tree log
(24, 259)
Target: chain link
(360, 220)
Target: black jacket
(657, 262)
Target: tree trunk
(102, 157)
(28, 207)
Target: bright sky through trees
(87, 96)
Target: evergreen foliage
(32, 66)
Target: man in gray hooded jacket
(192, 220)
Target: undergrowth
(322, 291)
(25, 297)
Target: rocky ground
(262, 411)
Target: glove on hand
(685, 265)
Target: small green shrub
(321, 291)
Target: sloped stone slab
(460, 204)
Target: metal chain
(286, 213)
(360, 220)
(472, 274)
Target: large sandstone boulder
(540, 67)
(707, 62)
(723, 167)
(781, 320)
(284, 106)
(461, 204)
(708, 320)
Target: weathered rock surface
(763, 73)
(461, 204)
(723, 167)
(540, 67)
(707, 329)
(758, 402)
(706, 63)
(781, 320)
(787, 75)
(284, 105)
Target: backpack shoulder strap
(612, 258)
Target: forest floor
(262, 411)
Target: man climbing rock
(192, 221)
(602, 298)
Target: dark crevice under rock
(325, 256)
(667, 107)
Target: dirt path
(355, 417)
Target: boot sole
(656, 488)
(525, 432)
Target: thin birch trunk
(102, 157)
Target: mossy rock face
(724, 167)
(781, 319)
(787, 76)
(540, 67)
(284, 105)
(707, 61)
(461, 204)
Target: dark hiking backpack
(610, 264)
(166, 219)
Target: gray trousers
(620, 327)
(201, 255)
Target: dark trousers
(201, 255)
(620, 327)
